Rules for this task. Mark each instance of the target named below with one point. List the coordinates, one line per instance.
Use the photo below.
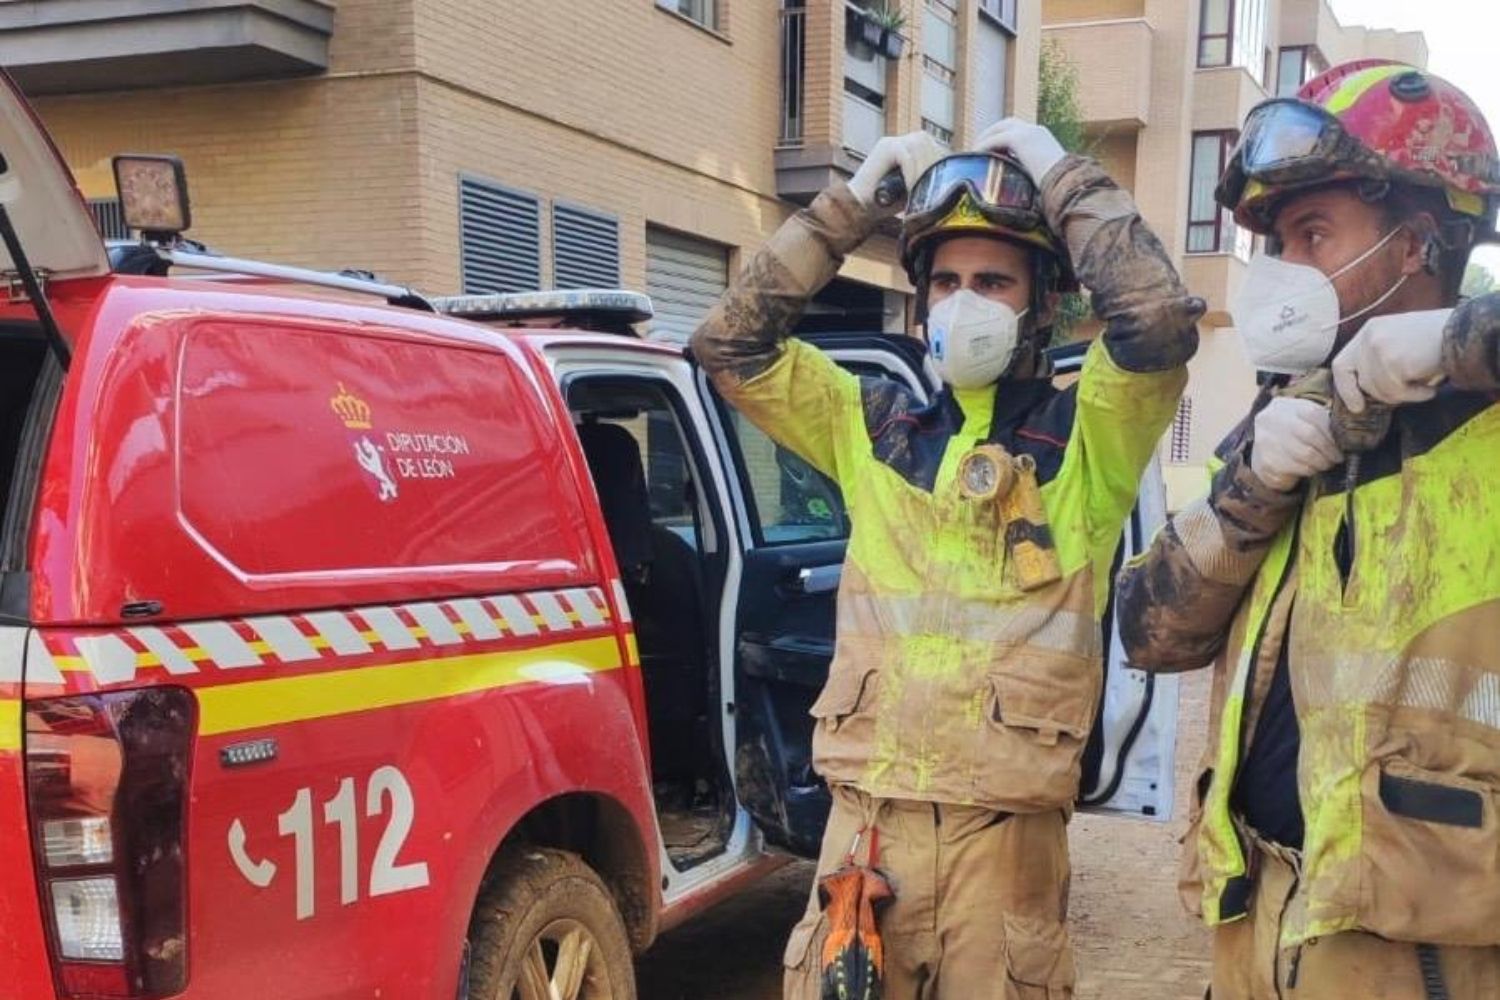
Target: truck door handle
(819, 579)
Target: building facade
(462, 145)
(1164, 88)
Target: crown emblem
(353, 411)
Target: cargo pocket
(801, 966)
(848, 692)
(846, 722)
(1038, 960)
(1431, 857)
(1040, 707)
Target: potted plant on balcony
(891, 19)
(862, 27)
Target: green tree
(1478, 280)
(1057, 108)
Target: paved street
(1133, 940)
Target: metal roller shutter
(684, 278)
(585, 248)
(499, 238)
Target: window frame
(997, 10)
(713, 532)
(850, 361)
(939, 73)
(1227, 35)
(1227, 139)
(713, 8)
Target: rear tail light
(107, 781)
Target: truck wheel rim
(564, 962)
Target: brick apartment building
(1164, 86)
(482, 146)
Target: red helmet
(1371, 119)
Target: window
(705, 12)
(991, 73)
(1211, 229)
(1232, 33)
(499, 238)
(643, 466)
(1182, 432)
(790, 501)
(865, 71)
(1214, 33)
(1295, 66)
(109, 217)
(939, 68)
(585, 248)
(1003, 11)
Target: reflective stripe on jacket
(1394, 665)
(949, 683)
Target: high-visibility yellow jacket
(1389, 598)
(949, 683)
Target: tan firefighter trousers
(981, 901)
(1249, 964)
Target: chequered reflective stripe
(247, 643)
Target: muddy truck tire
(545, 926)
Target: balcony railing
(793, 73)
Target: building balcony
(1311, 24)
(71, 46)
(833, 99)
(1217, 277)
(1115, 90)
(1222, 97)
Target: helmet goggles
(1289, 142)
(997, 187)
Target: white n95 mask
(1288, 314)
(972, 339)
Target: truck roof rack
(608, 310)
(154, 258)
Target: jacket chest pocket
(1039, 708)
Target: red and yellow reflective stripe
(10, 725)
(457, 627)
(231, 708)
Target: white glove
(911, 154)
(1292, 442)
(1035, 146)
(1397, 358)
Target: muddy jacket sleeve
(787, 388)
(1471, 344)
(1177, 600)
(1134, 375)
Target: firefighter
(967, 671)
(1343, 574)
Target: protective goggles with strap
(1288, 141)
(996, 185)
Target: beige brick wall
(628, 74)
(620, 107)
(1114, 63)
(1071, 11)
(319, 172)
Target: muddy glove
(1036, 147)
(1292, 442)
(910, 154)
(1393, 359)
